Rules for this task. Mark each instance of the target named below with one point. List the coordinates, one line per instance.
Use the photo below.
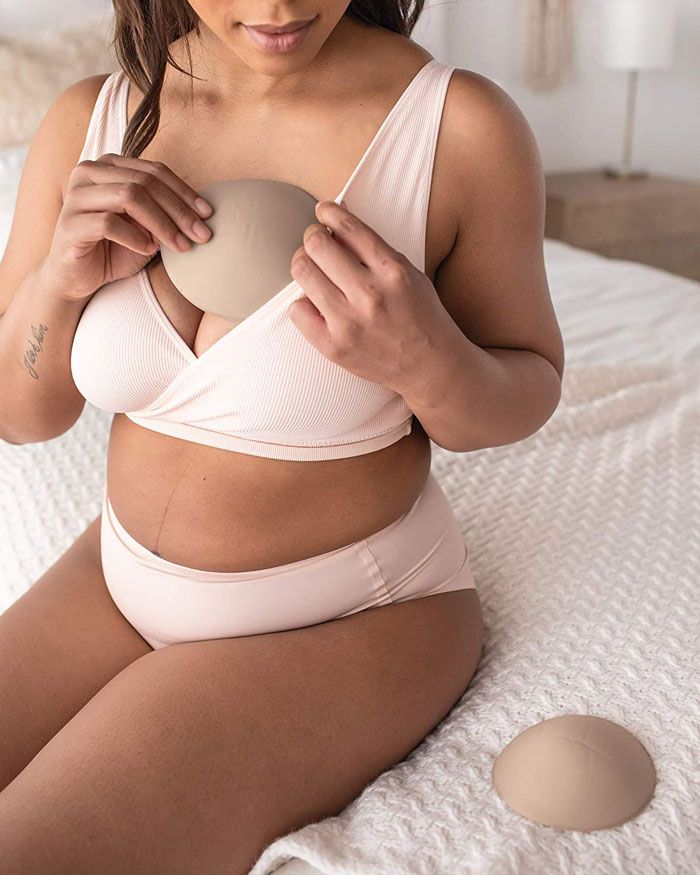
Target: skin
(114, 756)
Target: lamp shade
(638, 34)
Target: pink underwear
(419, 554)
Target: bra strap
(106, 129)
(391, 193)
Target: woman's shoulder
(481, 118)
(66, 121)
(486, 148)
(53, 153)
(76, 102)
(60, 136)
(487, 161)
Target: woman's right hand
(116, 214)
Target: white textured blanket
(585, 543)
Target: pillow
(35, 69)
(21, 18)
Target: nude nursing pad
(257, 225)
(575, 772)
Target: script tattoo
(35, 348)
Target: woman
(275, 604)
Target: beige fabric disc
(257, 225)
(575, 772)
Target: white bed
(585, 546)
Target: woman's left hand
(366, 307)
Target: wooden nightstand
(655, 220)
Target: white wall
(580, 124)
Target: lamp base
(620, 172)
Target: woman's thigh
(197, 755)
(61, 641)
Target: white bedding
(585, 545)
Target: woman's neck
(225, 79)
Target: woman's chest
(320, 164)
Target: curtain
(548, 58)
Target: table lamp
(637, 35)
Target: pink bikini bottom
(419, 554)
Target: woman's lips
(279, 42)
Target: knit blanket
(585, 544)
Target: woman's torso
(219, 509)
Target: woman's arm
(495, 376)
(77, 226)
(39, 399)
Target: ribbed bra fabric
(263, 388)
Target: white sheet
(584, 542)
(621, 311)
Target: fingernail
(313, 238)
(200, 230)
(202, 207)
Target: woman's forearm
(468, 398)
(38, 398)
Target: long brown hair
(144, 29)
